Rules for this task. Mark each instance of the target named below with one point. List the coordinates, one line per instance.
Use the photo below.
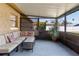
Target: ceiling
(45, 9)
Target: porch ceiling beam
(12, 5)
(42, 16)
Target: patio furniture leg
(22, 47)
(8, 54)
(17, 48)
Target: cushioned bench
(10, 41)
(7, 47)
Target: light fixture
(14, 28)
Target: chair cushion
(2, 40)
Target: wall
(5, 12)
(26, 24)
(70, 39)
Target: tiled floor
(46, 48)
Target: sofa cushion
(2, 40)
(16, 34)
(7, 48)
(19, 40)
(30, 39)
(27, 33)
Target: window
(34, 22)
(48, 23)
(73, 22)
(13, 20)
(44, 23)
(61, 24)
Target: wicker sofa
(6, 47)
(11, 41)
